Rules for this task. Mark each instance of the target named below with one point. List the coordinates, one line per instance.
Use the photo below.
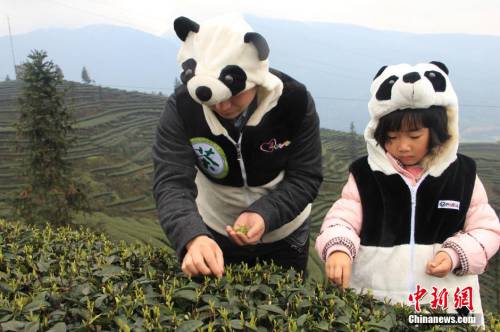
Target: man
(237, 154)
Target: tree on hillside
(7, 78)
(59, 71)
(85, 76)
(44, 132)
(353, 140)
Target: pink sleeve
(480, 238)
(342, 224)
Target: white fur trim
(421, 94)
(267, 97)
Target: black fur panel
(437, 79)
(188, 70)
(386, 204)
(183, 25)
(234, 78)
(441, 66)
(384, 92)
(259, 42)
(380, 71)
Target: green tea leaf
(242, 229)
(272, 308)
(301, 320)
(13, 325)
(186, 294)
(59, 327)
(323, 325)
(36, 305)
(32, 327)
(236, 324)
(189, 326)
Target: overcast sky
(156, 16)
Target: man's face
(234, 106)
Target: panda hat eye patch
(384, 92)
(188, 70)
(234, 78)
(437, 79)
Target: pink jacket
(469, 249)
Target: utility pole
(12, 49)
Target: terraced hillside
(112, 153)
(114, 131)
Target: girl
(413, 216)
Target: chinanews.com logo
(462, 303)
(443, 319)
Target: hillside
(115, 130)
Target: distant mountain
(335, 61)
(114, 56)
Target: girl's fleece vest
(404, 227)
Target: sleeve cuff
(339, 244)
(269, 226)
(463, 264)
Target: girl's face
(409, 147)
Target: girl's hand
(440, 265)
(338, 268)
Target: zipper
(413, 194)
(411, 277)
(239, 156)
(240, 160)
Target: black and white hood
(221, 58)
(404, 86)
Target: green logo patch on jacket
(211, 157)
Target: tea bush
(76, 280)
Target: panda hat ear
(183, 25)
(380, 71)
(441, 66)
(259, 42)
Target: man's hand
(250, 222)
(338, 268)
(203, 256)
(440, 265)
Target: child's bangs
(411, 121)
(402, 120)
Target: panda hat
(403, 86)
(223, 57)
